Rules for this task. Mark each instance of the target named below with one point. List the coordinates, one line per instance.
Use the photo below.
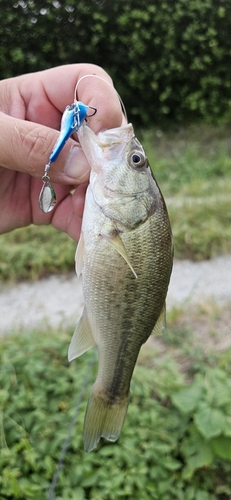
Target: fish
(125, 256)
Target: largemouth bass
(125, 257)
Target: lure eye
(138, 159)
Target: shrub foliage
(168, 59)
(175, 444)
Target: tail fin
(103, 419)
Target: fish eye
(137, 159)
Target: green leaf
(209, 421)
(202, 495)
(171, 463)
(218, 387)
(186, 400)
(202, 458)
(227, 427)
(222, 447)
(197, 452)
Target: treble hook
(94, 111)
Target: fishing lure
(73, 117)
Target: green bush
(169, 60)
(175, 444)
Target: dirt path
(198, 282)
(58, 299)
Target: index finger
(95, 89)
(32, 109)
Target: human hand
(31, 107)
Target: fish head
(121, 180)
(106, 147)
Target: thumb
(26, 146)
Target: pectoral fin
(118, 244)
(79, 255)
(82, 339)
(161, 322)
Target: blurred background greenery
(170, 60)
(171, 63)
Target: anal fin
(82, 339)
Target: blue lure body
(73, 117)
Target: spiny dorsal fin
(82, 339)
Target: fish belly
(122, 312)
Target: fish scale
(125, 257)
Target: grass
(193, 168)
(168, 449)
(34, 252)
(189, 160)
(201, 228)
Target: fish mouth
(107, 145)
(107, 138)
(115, 136)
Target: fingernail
(76, 165)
